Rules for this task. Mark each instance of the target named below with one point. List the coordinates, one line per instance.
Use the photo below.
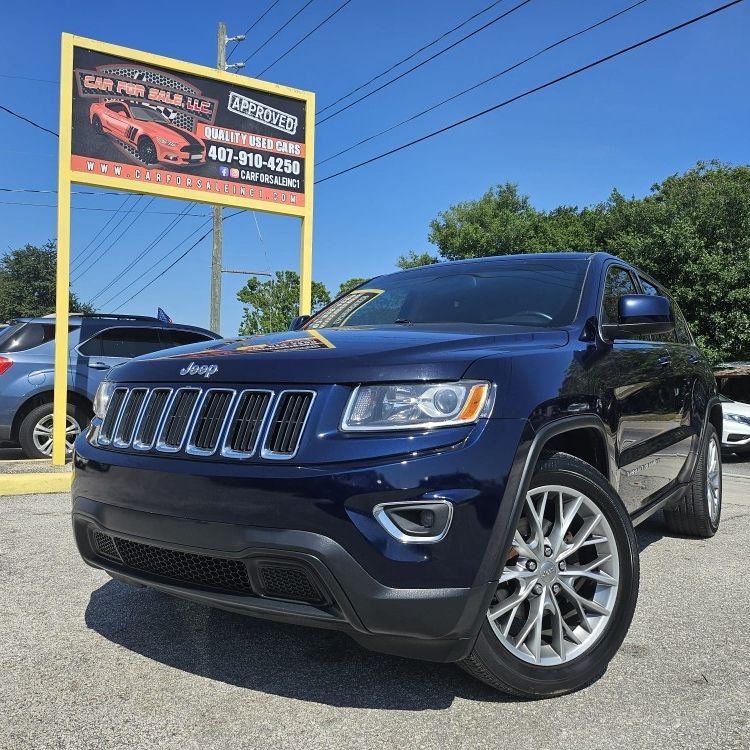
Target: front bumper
(735, 436)
(420, 601)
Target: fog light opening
(423, 522)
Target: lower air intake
(285, 582)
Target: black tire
(147, 150)
(40, 415)
(693, 515)
(495, 664)
(97, 124)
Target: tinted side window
(122, 343)
(25, 336)
(656, 291)
(618, 282)
(174, 337)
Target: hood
(337, 355)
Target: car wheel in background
(35, 432)
(567, 593)
(699, 511)
(147, 150)
(97, 123)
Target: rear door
(633, 381)
(111, 347)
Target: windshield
(529, 292)
(147, 114)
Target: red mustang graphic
(154, 137)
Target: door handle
(99, 366)
(664, 361)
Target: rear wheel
(97, 123)
(699, 511)
(568, 589)
(35, 432)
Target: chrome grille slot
(246, 423)
(112, 416)
(130, 412)
(179, 415)
(289, 417)
(148, 425)
(210, 421)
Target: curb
(35, 484)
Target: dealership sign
(159, 126)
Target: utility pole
(216, 252)
(218, 238)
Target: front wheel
(147, 150)
(568, 589)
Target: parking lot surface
(87, 662)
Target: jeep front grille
(203, 421)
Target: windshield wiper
(403, 322)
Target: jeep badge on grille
(206, 370)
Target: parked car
(446, 463)
(154, 137)
(97, 343)
(736, 427)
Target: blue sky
(625, 124)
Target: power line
(481, 83)
(164, 232)
(532, 91)
(278, 31)
(424, 62)
(306, 36)
(252, 26)
(30, 122)
(411, 56)
(77, 262)
(95, 208)
(54, 192)
(82, 271)
(26, 78)
(171, 265)
(106, 224)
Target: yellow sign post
(144, 123)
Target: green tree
(271, 305)
(348, 285)
(27, 283)
(692, 233)
(414, 260)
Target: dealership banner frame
(143, 123)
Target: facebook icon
(224, 171)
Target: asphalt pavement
(88, 663)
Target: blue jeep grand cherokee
(97, 343)
(447, 463)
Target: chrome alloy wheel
(42, 434)
(559, 585)
(713, 479)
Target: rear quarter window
(25, 336)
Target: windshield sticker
(342, 309)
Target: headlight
(165, 142)
(411, 406)
(741, 418)
(101, 399)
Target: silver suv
(97, 343)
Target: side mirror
(298, 322)
(640, 314)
